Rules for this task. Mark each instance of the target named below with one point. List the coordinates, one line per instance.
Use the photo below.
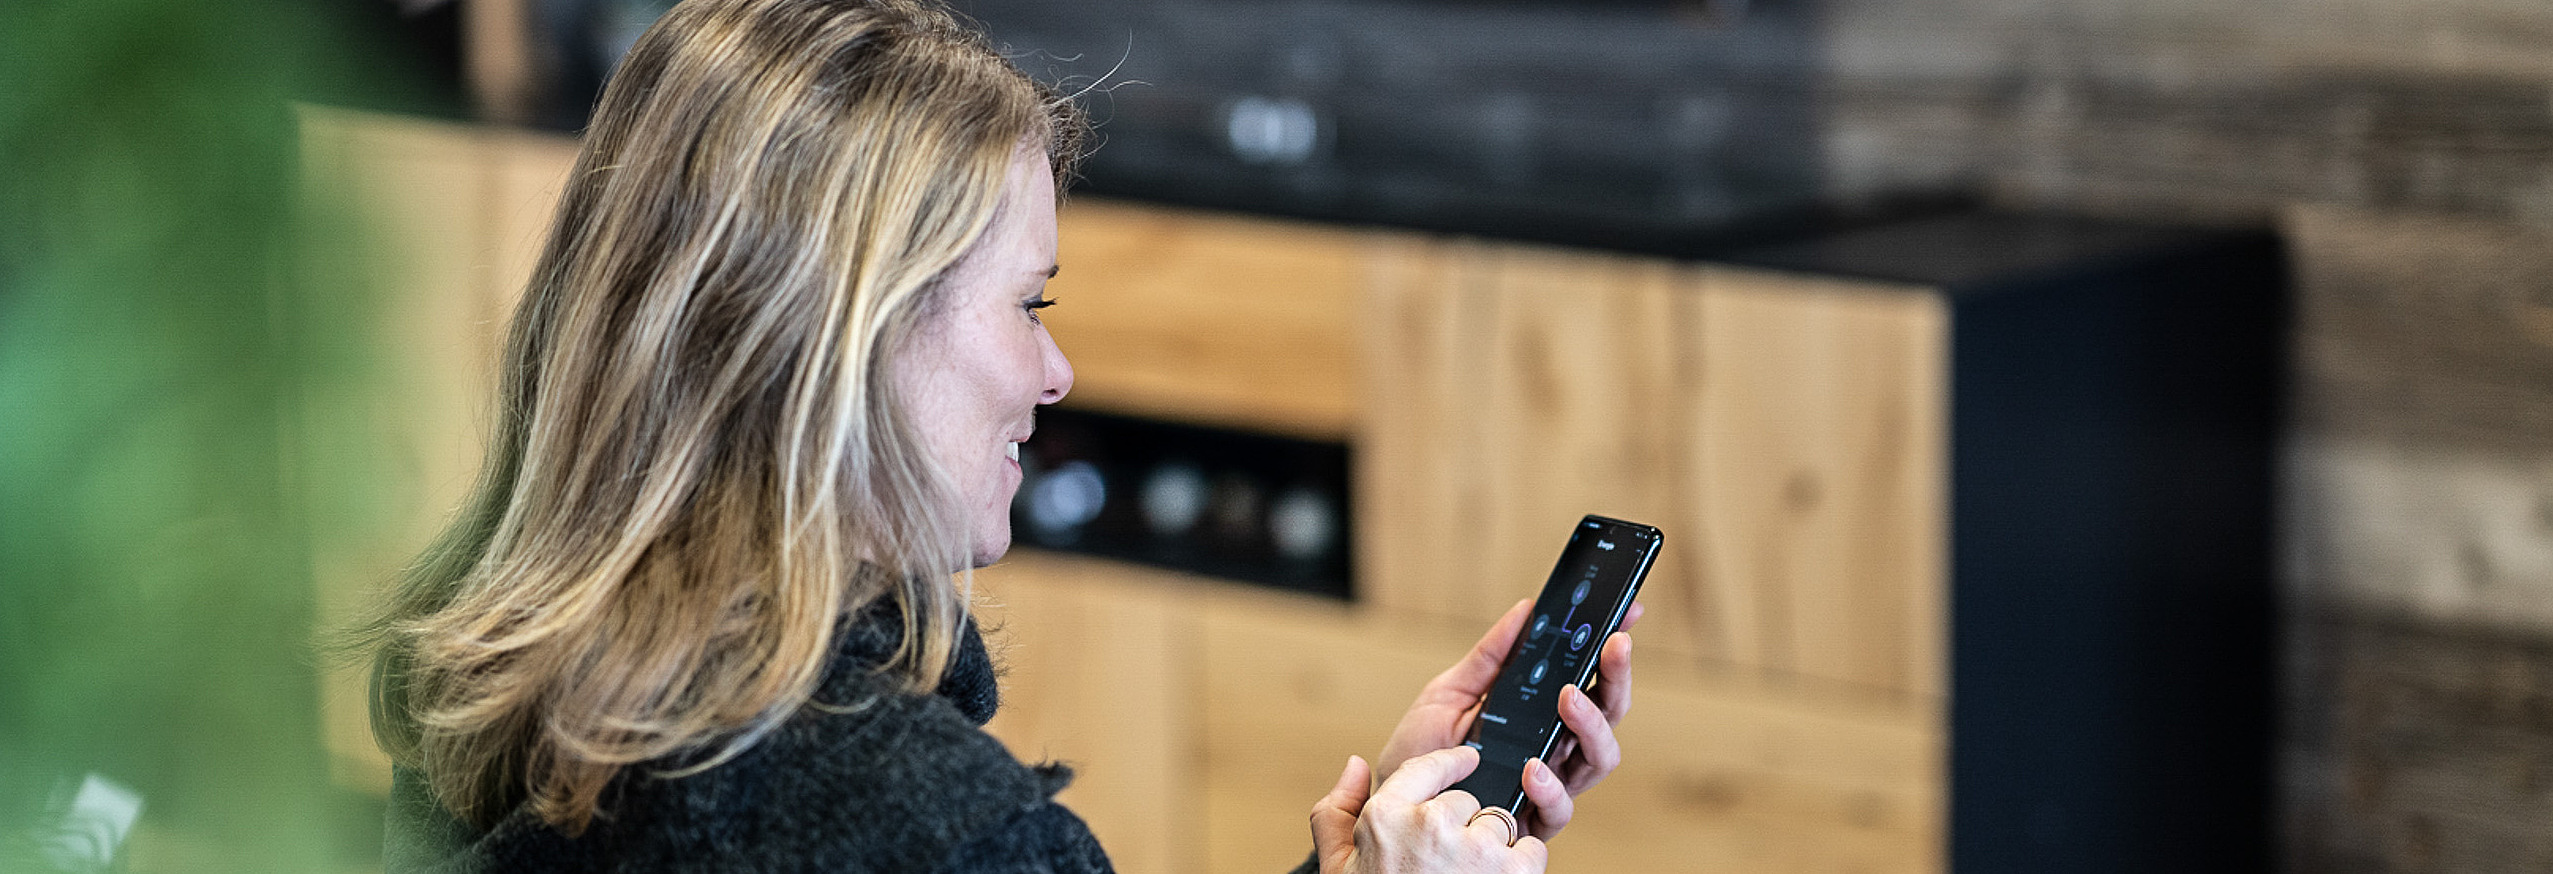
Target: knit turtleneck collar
(867, 640)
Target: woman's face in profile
(974, 375)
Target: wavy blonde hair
(699, 468)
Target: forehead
(1023, 227)
(1017, 247)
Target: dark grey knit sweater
(908, 783)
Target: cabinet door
(1720, 777)
(1785, 433)
(1509, 392)
(432, 229)
(1209, 318)
(1099, 671)
(1817, 511)
(1291, 688)
(1716, 777)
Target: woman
(762, 400)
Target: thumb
(1334, 816)
(1427, 776)
(1470, 678)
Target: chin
(991, 549)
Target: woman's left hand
(1442, 717)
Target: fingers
(1613, 664)
(1529, 854)
(1552, 804)
(1599, 752)
(1350, 793)
(1494, 825)
(1334, 816)
(1425, 777)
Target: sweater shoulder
(1044, 839)
(896, 783)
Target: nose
(1059, 372)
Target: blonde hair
(698, 468)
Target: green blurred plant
(155, 590)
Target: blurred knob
(1174, 497)
(1066, 498)
(1302, 524)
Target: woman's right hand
(1411, 825)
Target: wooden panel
(1717, 778)
(1416, 487)
(2415, 744)
(1208, 318)
(1819, 470)
(1786, 433)
(2424, 330)
(447, 222)
(1722, 778)
(1511, 391)
(528, 175)
(1290, 691)
(1099, 673)
(415, 429)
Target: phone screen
(1598, 576)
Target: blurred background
(2089, 436)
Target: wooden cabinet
(1784, 431)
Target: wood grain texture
(1099, 673)
(1208, 318)
(2415, 745)
(1819, 468)
(1786, 433)
(1512, 391)
(2190, 109)
(1290, 690)
(1720, 778)
(2423, 329)
(1723, 777)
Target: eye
(1033, 306)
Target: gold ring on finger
(1514, 832)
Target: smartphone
(1598, 576)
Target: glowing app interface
(1585, 598)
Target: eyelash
(1035, 305)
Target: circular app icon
(1540, 668)
(1541, 624)
(1578, 641)
(1580, 596)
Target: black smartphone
(1598, 576)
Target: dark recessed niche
(1241, 505)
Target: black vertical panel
(2113, 432)
(2044, 569)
